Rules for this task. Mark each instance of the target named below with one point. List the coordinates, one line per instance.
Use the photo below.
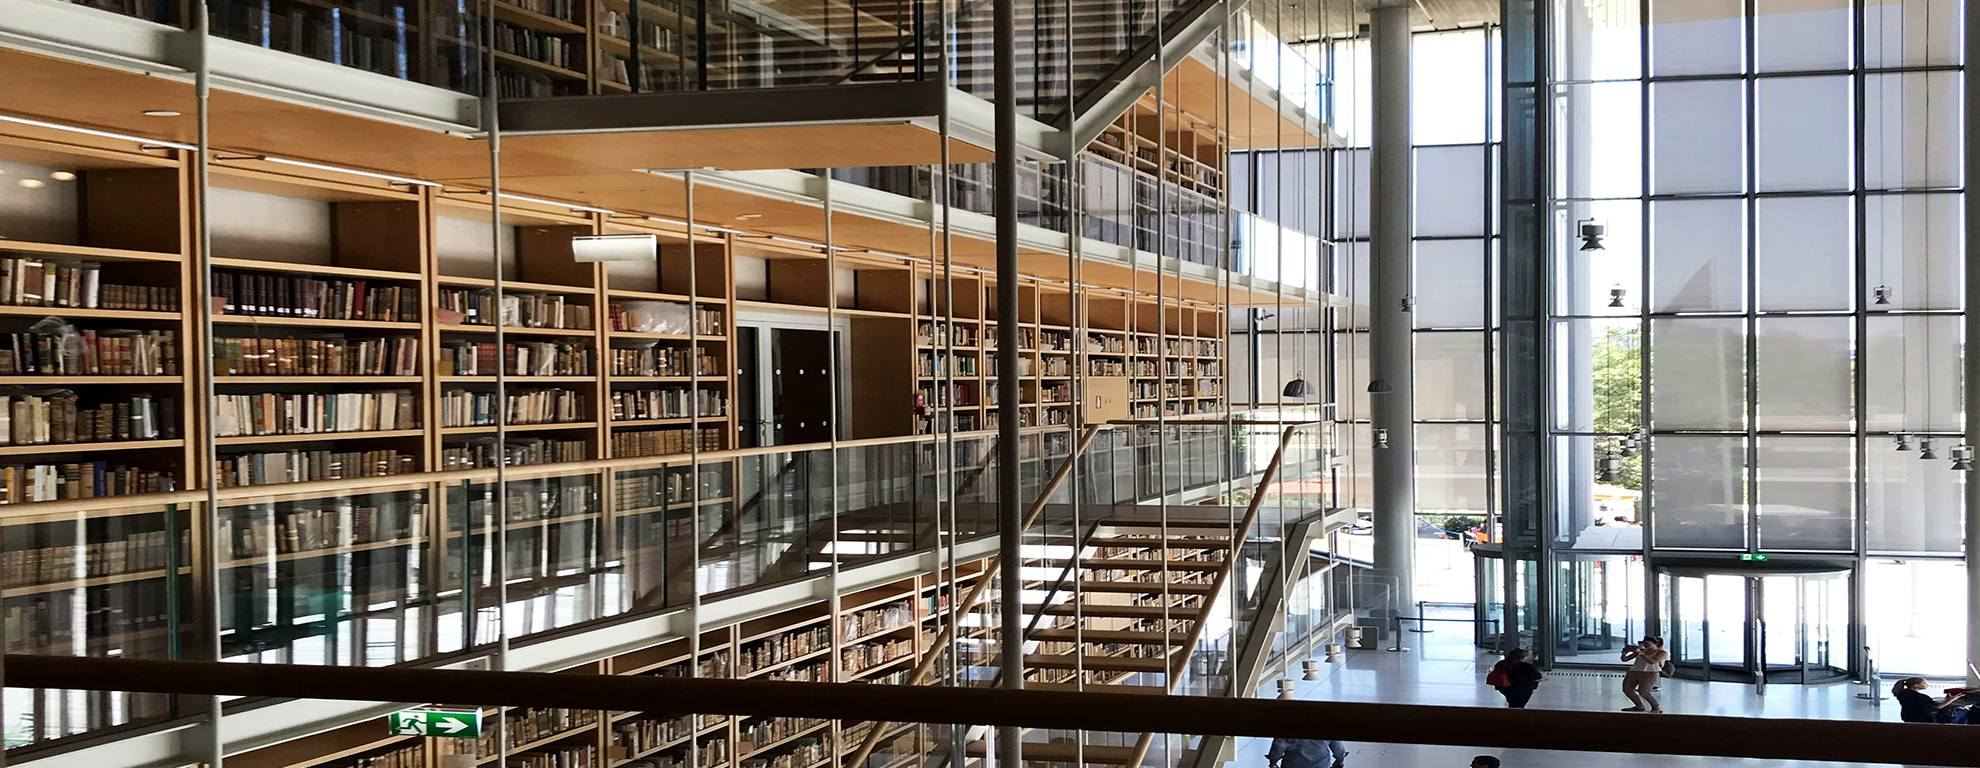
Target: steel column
(1972, 361)
(1010, 511)
(1393, 384)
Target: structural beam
(1393, 383)
(1971, 360)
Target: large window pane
(1802, 492)
(1910, 33)
(1914, 245)
(1450, 375)
(1698, 373)
(1698, 256)
(1911, 131)
(1450, 284)
(1586, 280)
(1803, 127)
(1915, 613)
(1611, 49)
(1913, 504)
(1696, 37)
(1806, 253)
(1801, 35)
(1450, 469)
(1803, 371)
(1351, 168)
(1590, 511)
(1604, 134)
(1911, 373)
(1450, 191)
(1698, 491)
(1698, 139)
(1447, 108)
(1598, 375)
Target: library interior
(957, 383)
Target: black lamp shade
(1299, 388)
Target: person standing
(1515, 678)
(1306, 753)
(1484, 761)
(1646, 659)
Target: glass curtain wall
(1755, 314)
(1455, 132)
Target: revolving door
(1740, 625)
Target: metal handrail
(1488, 727)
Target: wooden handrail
(1488, 727)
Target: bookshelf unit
(887, 629)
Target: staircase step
(1098, 663)
(1124, 636)
(1114, 611)
(1174, 542)
(1145, 690)
(1054, 752)
(1151, 564)
(1144, 587)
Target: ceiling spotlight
(63, 176)
(1925, 448)
(1381, 438)
(1630, 446)
(1962, 456)
(32, 183)
(1299, 387)
(1883, 294)
(749, 216)
(162, 113)
(1380, 387)
(1616, 297)
(1903, 443)
(1591, 235)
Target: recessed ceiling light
(162, 113)
(32, 183)
(749, 216)
(63, 176)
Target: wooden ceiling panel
(749, 149)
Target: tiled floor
(1443, 668)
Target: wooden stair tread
(1151, 542)
(1063, 753)
(1114, 611)
(1145, 690)
(1125, 636)
(1101, 663)
(1150, 564)
(1145, 587)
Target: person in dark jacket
(1515, 678)
(1916, 707)
(1306, 753)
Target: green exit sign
(1754, 557)
(431, 722)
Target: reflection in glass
(1698, 492)
(1803, 373)
(1802, 133)
(1803, 493)
(1697, 373)
(1698, 136)
(1805, 253)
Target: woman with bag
(1515, 678)
(1647, 658)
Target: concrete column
(1972, 361)
(1393, 385)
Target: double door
(1749, 627)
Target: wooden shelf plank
(122, 445)
(312, 322)
(79, 380)
(86, 252)
(106, 314)
(262, 439)
(317, 379)
(529, 379)
(522, 286)
(512, 329)
(317, 269)
(490, 429)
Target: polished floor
(1443, 668)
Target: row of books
(464, 408)
(1024, 365)
(62, 418)
(561, 9)
(523, 452)
(530, 358)
(646, 734)
(296, 466)
(325, 356)
(668, 403)
(873, 653)
(264, 531)
(664, 361)
(22, 483)
(931, 365)
(524, 726)
(519, 310)
(756, 734)
(665, 317)
(710, 753)
(535, 45)
(783, 647)
(1055, 366)
(292, 413)
(107, 622)
(880, 618)
(1110, 368)
(929, 333)
(937, 396)
(71, 352)
(665, 442)
(403, 757)
(1105, 344)
(263, 294)
(135, 552)
(28, 282)
(797, 754)
(579, 755)
(637, 490)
